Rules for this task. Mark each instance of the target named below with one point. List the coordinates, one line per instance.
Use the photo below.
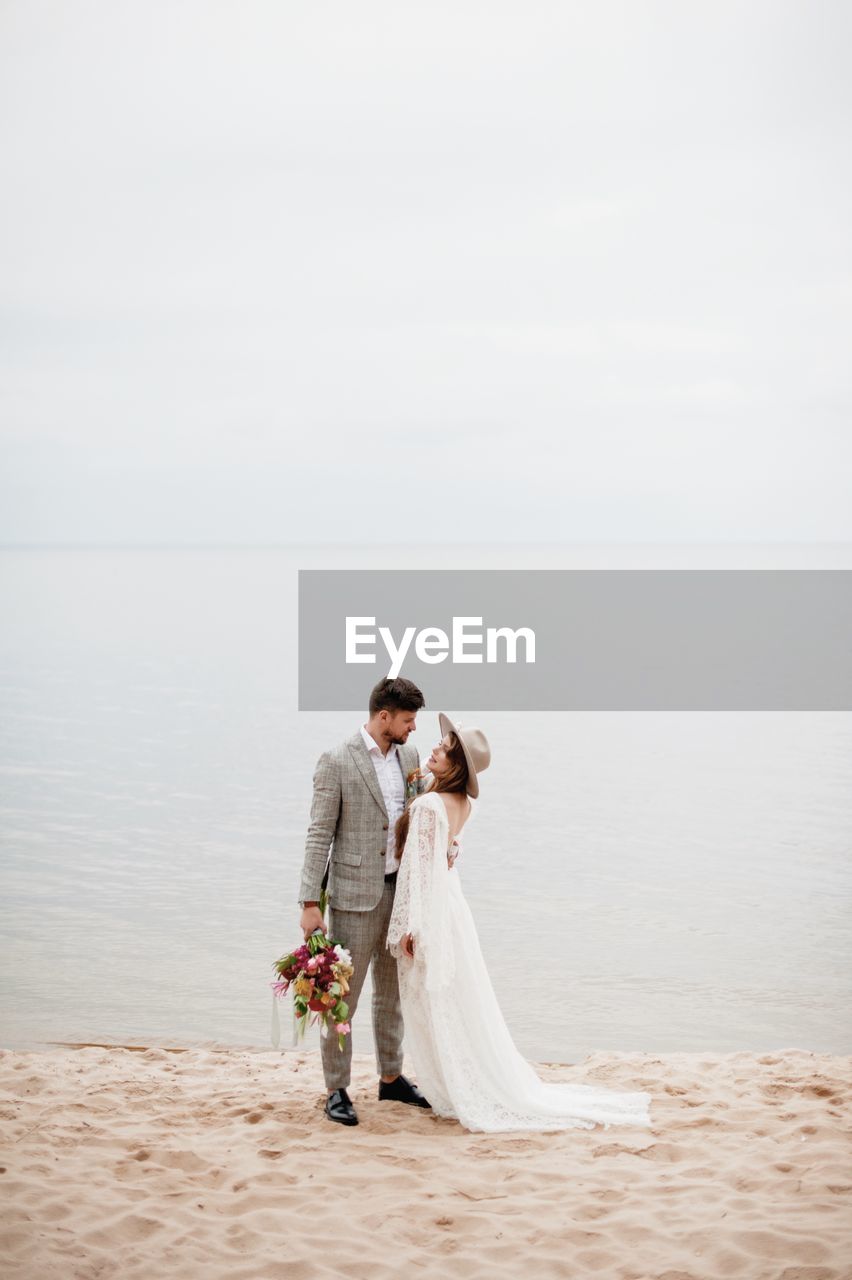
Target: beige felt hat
(476, 750)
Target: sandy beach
(166, 1162)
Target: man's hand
(407, 944)
(311, 919)
(453, 854)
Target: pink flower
(343, 1028)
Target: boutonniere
(411, 785)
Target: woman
(466, 1061)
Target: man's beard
(399, 742)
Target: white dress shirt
(389, 774)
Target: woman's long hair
(454, 780)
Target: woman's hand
(407, 944)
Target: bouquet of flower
(319, 973)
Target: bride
(463, 1053)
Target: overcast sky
(476, 271)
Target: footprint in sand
(664, 1151)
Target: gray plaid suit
(348, 817)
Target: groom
(360, 789)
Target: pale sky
(275, 272)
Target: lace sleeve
(420, 900)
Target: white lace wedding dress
(464, 1056)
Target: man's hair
(396, 695)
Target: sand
(160, 1162)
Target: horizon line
(337, 543)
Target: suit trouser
(364, 933)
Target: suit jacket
(349, 819)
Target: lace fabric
(466, 1061)
(420, 901)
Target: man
(360, 789)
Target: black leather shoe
(402, 1090)
(339, 1108)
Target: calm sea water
(655, 882)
